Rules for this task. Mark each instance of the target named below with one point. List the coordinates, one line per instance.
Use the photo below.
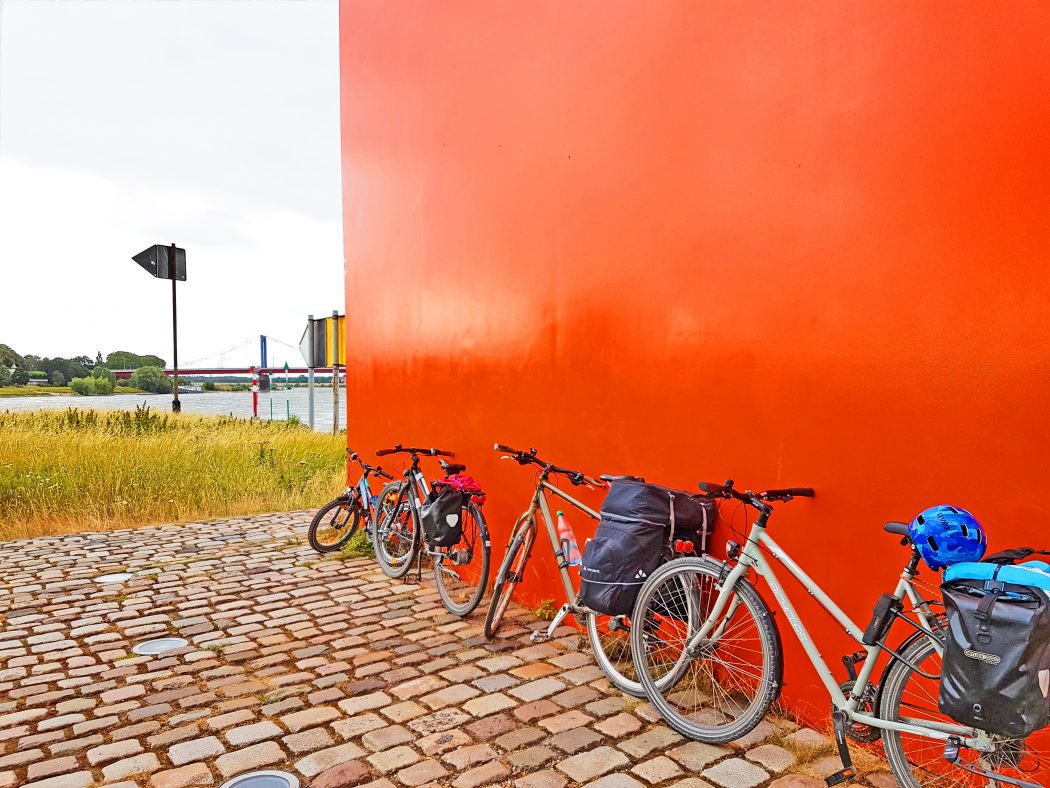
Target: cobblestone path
(324, 668)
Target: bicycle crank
(542, 637)
(858, 731)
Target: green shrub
(151, 379)
(57, 378)
(36, 374)
(209, 385)
(102, 372)
(87, 387)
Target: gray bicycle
(707, 615)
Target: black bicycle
(461, 570)
(339, 519)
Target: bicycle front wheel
(722, 689)
(511, 572)
(462, 572)
(334, 524)
(395, 537)
(918, 761)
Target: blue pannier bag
(996, 666)
(640, 523)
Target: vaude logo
(589, 569)
(980, 656)
(640, 575)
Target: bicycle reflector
(683, 546)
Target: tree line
(82, 373)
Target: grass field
(79, 470)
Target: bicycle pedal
(539, 637)
(841, 776)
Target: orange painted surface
(792, 245)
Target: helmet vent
(920, 520)
(933, 544)
(966, 533)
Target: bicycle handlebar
(526, 457)
(788, 493)
(399, 449)
(754, 499)
(376, 469)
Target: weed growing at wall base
(88, 470)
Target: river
(280, 404)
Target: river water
(280, 404)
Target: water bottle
(570, 549)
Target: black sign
(155, 260)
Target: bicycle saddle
(608, 477)
(900, 529)
(452, 468)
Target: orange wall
(794, 244)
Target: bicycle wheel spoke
(721, 689)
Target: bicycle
(461, 571)
(716, 637)
(339, 519)
(608, 635)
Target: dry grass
(86, 470)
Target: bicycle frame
(539, 502)
(751, 556)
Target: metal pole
(176, 406)
(310, 373)
(335, 372)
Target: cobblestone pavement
(321, 667)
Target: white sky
(208, 123)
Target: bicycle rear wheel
(918, 761)
(395, 536)
(334, 524)
(511, 572)
(723, 689)
(462, 571)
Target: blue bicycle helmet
(946, 535)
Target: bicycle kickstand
(847, 772)
(409, 579)
(542, 637)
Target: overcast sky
(213, 124)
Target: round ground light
(116, 577)
(150, 648)
(263, 780)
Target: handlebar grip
(384, 474)
(800, 492)
(712, 488)
(501, 447)
(594, 482)
(384, 452)
(441, 453)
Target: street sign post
(168, 262)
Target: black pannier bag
(996, 666)
(442, 514)
(639, 523)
